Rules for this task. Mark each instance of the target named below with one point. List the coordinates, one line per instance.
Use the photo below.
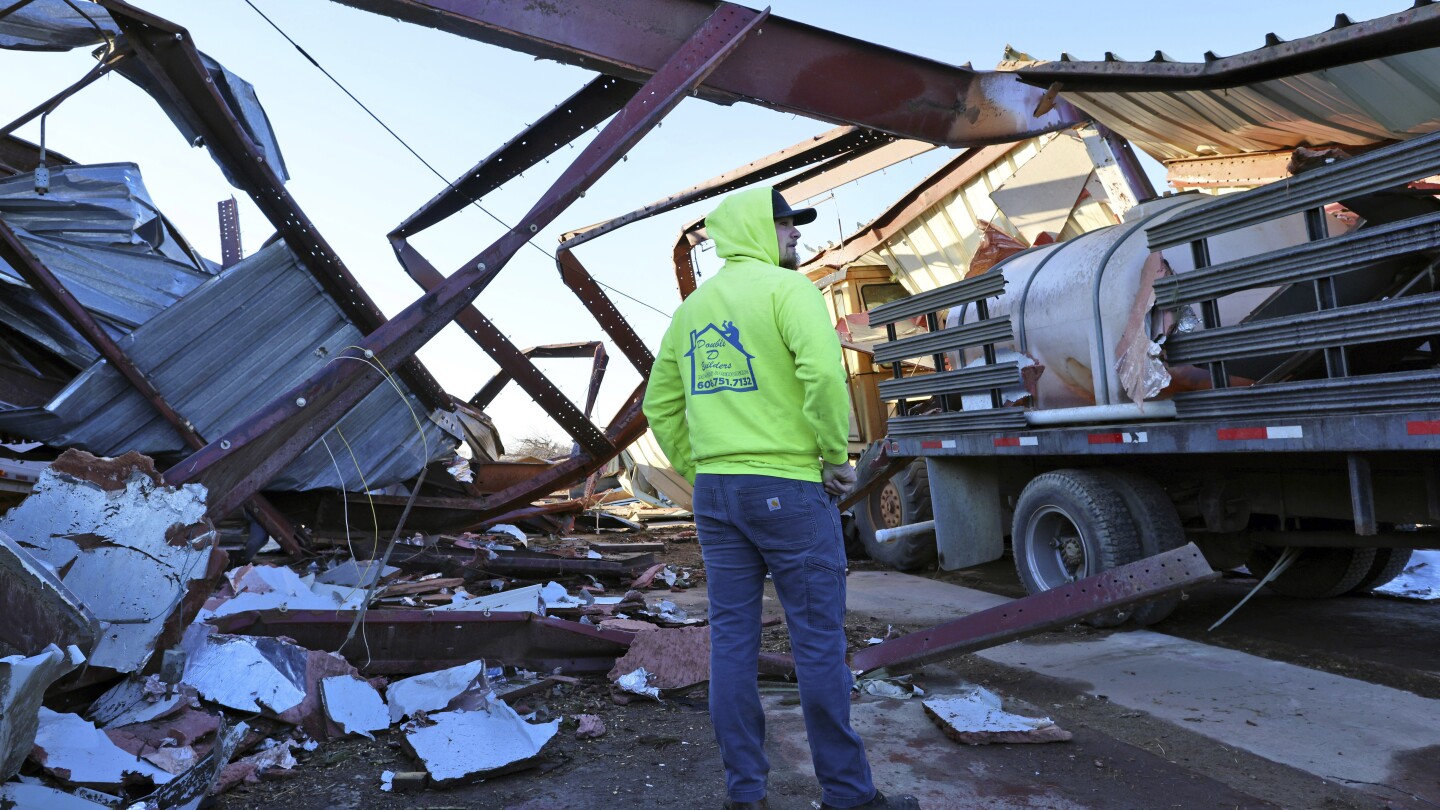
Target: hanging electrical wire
(312, 60)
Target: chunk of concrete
(39, 609)
(433, 691)
(23, 681)
(465, 746)
(354, 705)
(975, 717)
(127, 547)
(73, 749)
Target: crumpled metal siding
(1390, 98)
(234, 343)
(54, 25)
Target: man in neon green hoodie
(748, 400)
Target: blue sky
(455, 101)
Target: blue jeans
(747, 525)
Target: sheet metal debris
(353, 704)
(463, 746)
(976, 717)
(433, 691)
(41, 609)
(73, 749)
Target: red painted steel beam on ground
(792, 67)
(414, 641)
(1125, 585)
(572, 118)
(166, 50)
(240, 463)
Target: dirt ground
(663, 755)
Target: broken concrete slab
(40, 609)
(464, 746)
(674, 658)
(128, 547)
(976, 717)
(23, 681)
(73, 749)
(353, 704)
(589, 727)
(433, 691)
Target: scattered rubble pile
(140, 672)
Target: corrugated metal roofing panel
(237, 341)
(1388, 98)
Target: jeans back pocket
(778, 516)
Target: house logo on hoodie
(718, 362)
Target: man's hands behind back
(837, 478)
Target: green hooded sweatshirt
(749, 378)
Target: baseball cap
(801, 216)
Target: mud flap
(969, 519)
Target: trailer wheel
(1071, 524)
(1159, 529)
(1318, 573)
(902, 500)
(1389, 563)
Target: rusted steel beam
(38, 276)
(684, 260)
(171, 58)
(1347, 43)
(510, 358)
(572, 118)
(580, 282)
(826, 75)
(414, 641)
(593, 349)
(836, 142)
(1118, 587)
(253, 452)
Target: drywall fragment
(433, 691)
(672, 658)
(39, 609)
(23, 681)
(356, 573)
(248, 673)
(73, 749)
(354, 705)
(128, 547)
(975, 717)
(463, 746)
(137, 700)
(520, 600)
(26, 796)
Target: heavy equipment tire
(1071, 524)
(1318, 573)
(1389, 563)
(902, 500)
(1159, 529)
(854, 549)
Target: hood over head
(743, 227)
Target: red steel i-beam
(252, 453)
(38, 276)
(580, 282)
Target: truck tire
(902, 500)
(1071, 524)
(1389, 563)
(1318, 573)
(1159, 529)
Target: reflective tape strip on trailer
(1240, 434)
(1118, 438)
(1427, 428)
(1016, 441)
(938, 444)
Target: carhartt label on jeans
(773, 503)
